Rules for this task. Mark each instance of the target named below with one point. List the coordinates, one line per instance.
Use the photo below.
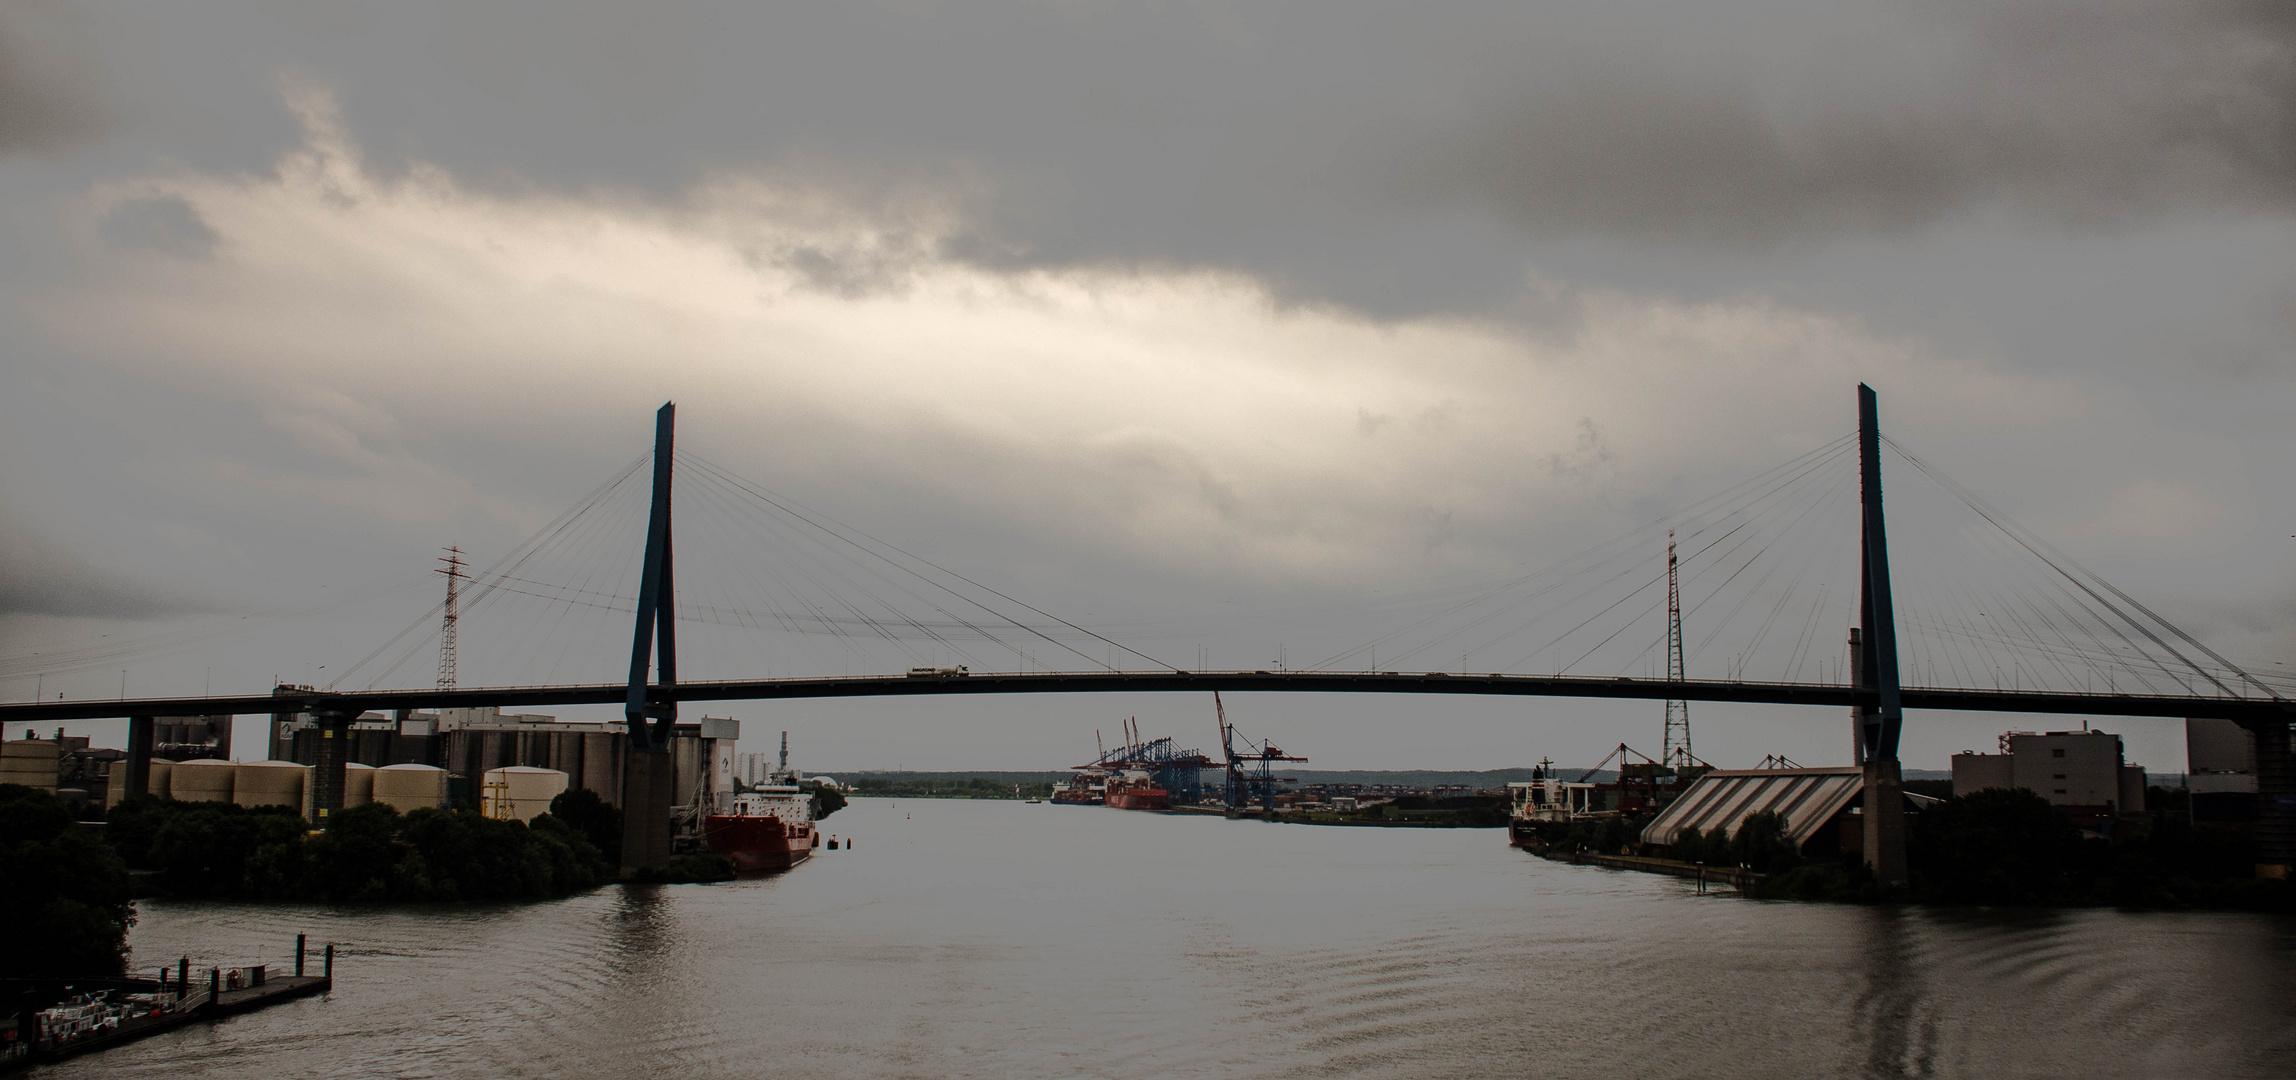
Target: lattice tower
(1676, 750)
(455, 576)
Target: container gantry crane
(1251, 770)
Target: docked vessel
(770, 827)
(1546, 798)
(1136, 790)
(1081, 791)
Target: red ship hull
(1141, 799)
(1076, 798)
(758, 843)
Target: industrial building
(2081, 772)
(185, 738)
(1820, 807)
(472, 743)
(2220, 771)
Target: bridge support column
(331, 752)
(2275, 797)
(1885, 822)
(649, 782)
(136, 780)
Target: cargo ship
(770, 827)
(1136, 790)
(1078, 792)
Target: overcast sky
(1206, 322)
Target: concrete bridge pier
(649, 783)
(137, 779)
(2275, 797)
(332, 753)
(1885, 822)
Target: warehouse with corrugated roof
(1817, 805)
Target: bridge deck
(1104, 682)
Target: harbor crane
(1250, 769)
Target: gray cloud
(1698, 224)
(162, 224)
(51, 92)
(41, 577)
(2082, 114)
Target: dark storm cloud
(2081, 113)
(41, 577)
(50, 84)
(1342, 154)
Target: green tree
(1763, 845)
(468, 857)
(353, 859)
(2007, 847)
(132, 824)
(594, 818)
(203, 848)
(826, 800)
(64, 895)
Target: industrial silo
(520, 791)
(119, 780)
(203, 780)
(409, 787)
(271, 783)
(358, 784)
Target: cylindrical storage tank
(409, 787)
(271, 783)
(119, 782)
(358, 784)
(203, 780)
(162, 773)
(520, 791)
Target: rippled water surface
(1009, 940)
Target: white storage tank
(30, 763)
(271, 783)
(119, 785)
(203, 780)
(520, 791)
(409, 787)
(358, 784)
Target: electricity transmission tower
(454, 579)
(1675, 752)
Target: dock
(94, 1014)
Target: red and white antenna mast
(455, 576)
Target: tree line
(67, 895)
(950, 787)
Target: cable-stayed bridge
(1968, 611)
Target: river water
(975, 939)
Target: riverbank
(1989, 849)
(1734, 877)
